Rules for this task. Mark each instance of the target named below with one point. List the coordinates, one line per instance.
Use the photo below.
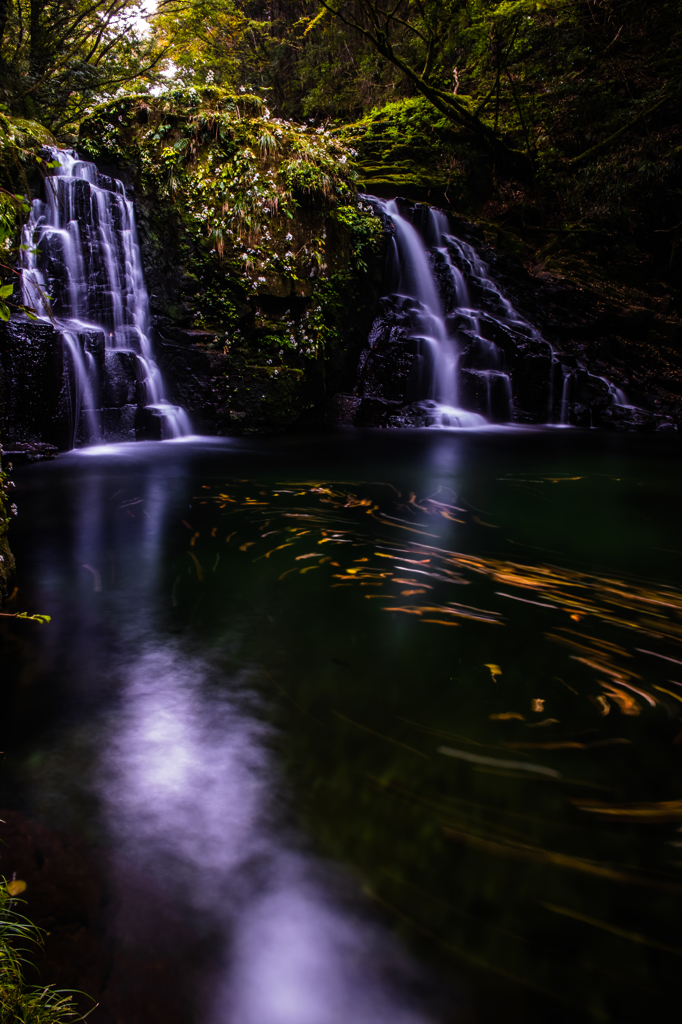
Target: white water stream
(82, 271)
(413, 273)
(417, 281)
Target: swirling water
(390, 720)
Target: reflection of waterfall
(203, 858)
(190, 791)
(82, 271)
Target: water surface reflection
(449, 664)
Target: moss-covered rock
(262, 264)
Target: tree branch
(589, 153)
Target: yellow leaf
(15, 887)
(654, 813)
(495, 671)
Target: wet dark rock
(17, 452)
(619, 417)
(485, 392)
(173, 332)
(38, 390)
(344, 409)
(187, 371)
(36, 396)
(419, 414)
(530, 378)
(375, 412)
(119, 423)
(147, 424)
(225, 393)
(120, 384)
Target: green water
(470, 647)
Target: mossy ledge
(262, 263)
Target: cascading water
(81, 270)
(415, 280)
(487, 356)
(448, 348)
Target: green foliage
(13, 210)
(21, 1003)
(209, 40)
(407, 147)
(365, 234)
(268, 227)
(55, 56)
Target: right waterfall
(448, 348)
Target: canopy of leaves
(585, 90)
(57, 55)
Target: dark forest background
(555, 123)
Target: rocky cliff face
(263, 270)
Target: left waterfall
(82, 272)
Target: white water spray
(81, 244)
(417, 281)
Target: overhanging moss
(252, 232)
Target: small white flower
(261, 280)
(289, 237)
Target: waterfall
(461, 366)
(450, 349)
(82, 271)
(414, 279)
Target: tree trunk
(5, 8)
(36, 48)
